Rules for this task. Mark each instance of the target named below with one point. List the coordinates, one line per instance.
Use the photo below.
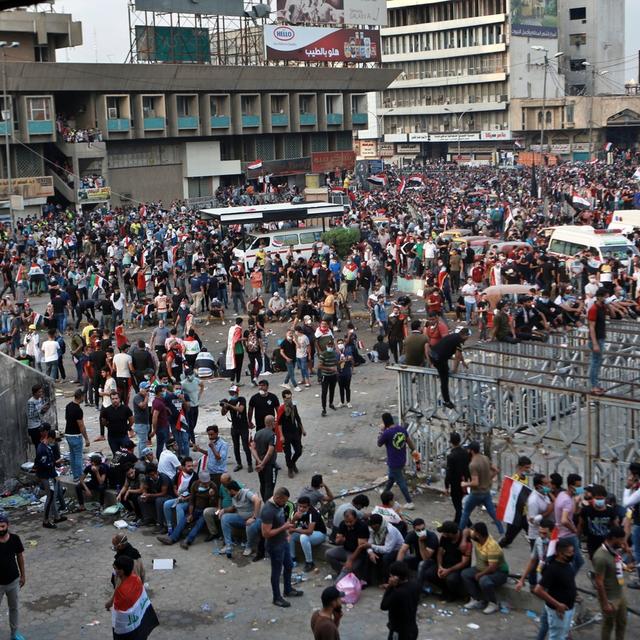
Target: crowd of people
(163, 274)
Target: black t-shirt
(263, 406)
(313, 515)
(141, 360)
(289, 348)
(9, 551)
(383, 351)
(596, 525)
(402, 604)
(412, 539)
(238, 420)
(121, 461)
(72, 413)
(263, 440)
(559, 580)
(117, 419)
(98, 359)
(451, 553)
(446, 348)
(274, 515)
(91, 475)
(359, 530)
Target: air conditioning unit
(569, 125)
(112, 113)
(496, 127)
(472, 99)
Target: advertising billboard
(327, 161)
(207, 7)
(172, 44)
(372, 12)
(95, 194)
(321, 44)
(534, 18)
(28, 188)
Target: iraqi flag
(132, 615)
(379, 180)
(553, 541)
(512, 500)
(580, 201)
(234, 336)
(402, 185)
(636, 175)
(99, 283)
(509, 219)
(255, 165)
(416, 181)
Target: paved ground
(208, 596)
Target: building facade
(591, 33)
(462, 64)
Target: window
(308, 237)
(149, 106)
(289, 240)
(113, 108)
(39, 108)
(5, 107)
(578, 13)
(576, 64)
(577, 89)
(547, 117)
(184, 105)
(264, 241)
(569, 112)
(577, 39)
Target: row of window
(449, 67)
(443, 95)
(457, 10)
(438, 40)
(481, 121)
(37, 108)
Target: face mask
(579, 491)
(263, 392)
(600, 502)
(546, 490)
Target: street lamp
(594, 73)
(7, 116)
(459, 123)
(544, 101)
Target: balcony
(279, 120)
(154, 124)
(360, 118)
(308, 119)
(40, 127)
(220, 122)
(118, 125)
(187, 122)
(334, 118)
(249, 121)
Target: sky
(106, 32)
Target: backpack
(253, 345)
(61, 343)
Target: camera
(223, 402)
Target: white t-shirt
(168, 463)
(50, 350)
(302, 345)
(469, 293)
(108, 387)
(121, 361)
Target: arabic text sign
(97, 194)
(333, 11)
(37, 187)
(535, 19)
(321, 44)
(327, 161)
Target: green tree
(342, 239)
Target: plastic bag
(351, 587)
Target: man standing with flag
(513, 501)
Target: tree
(341, 238)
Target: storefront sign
(40, 187)
(385, 149)
(97, 194)
(368, 148)
(324, 161)
(502, 134)
(418, 137)
(408, 149)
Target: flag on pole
(512, 500)
(608, 146)
(37, 319)
(416, 180)
(253, 166)
(402, 185)
(99, 282)
(379, 180)
(636, 175)
(580, 201)
(553, 541)
(509, 219)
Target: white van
(625, 221)
(567, 241)
(302, 240)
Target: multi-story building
(165, 132)
(591, 34)
(461, 64)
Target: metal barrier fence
(532, 399)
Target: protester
(401, 599)
(12, 573)
(325, 622)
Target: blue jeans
(558, 627)
(635, 542)
(485, 588)
(161, 438)
(75, 455)
(291, 374)
(473, 500)
(304, 369)
(578, 560)
(51, 369)
(543, 629)
(281, 563)
(198, 520)
(306, 542)
(595, 364)
(142, 433)
(469, 308)
(396, 475)
(182, 438)
(231, 521)
(180, 509)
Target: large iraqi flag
(132, 616)
(513, 498)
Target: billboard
(172, 44)
(28, 188)
(373, 12)
(321, 44)
(327, 161)
(208, 7)
(95, 194)
(534, 18)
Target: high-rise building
(591, 33)
(462, 62)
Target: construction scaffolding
(532, 399)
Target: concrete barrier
(16, 380)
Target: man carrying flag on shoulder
(132, 614)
